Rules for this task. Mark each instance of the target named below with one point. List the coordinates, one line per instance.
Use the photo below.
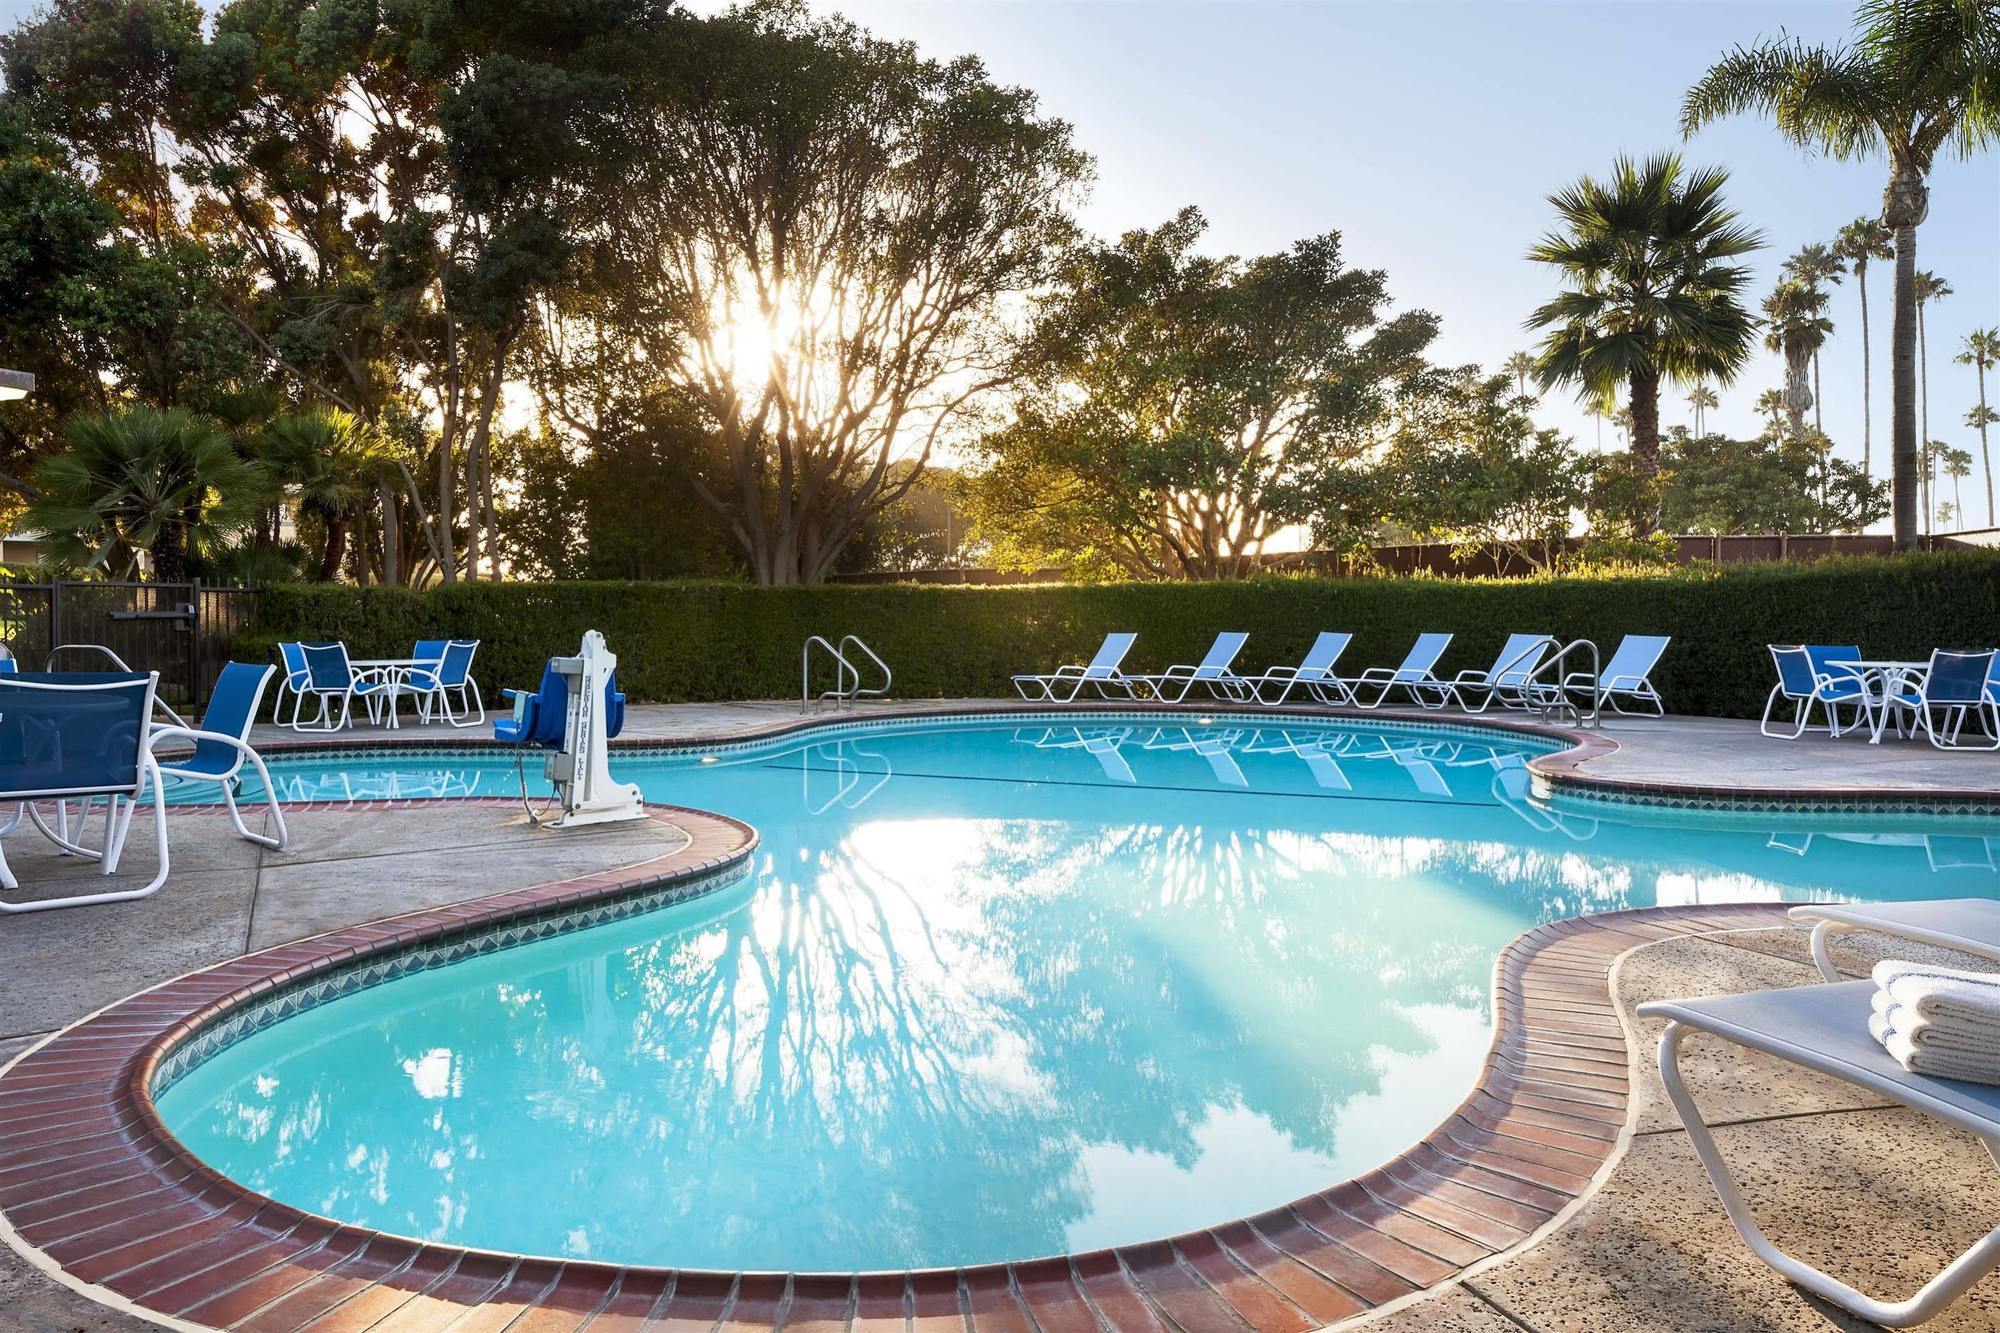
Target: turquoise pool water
(991, 992)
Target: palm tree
(1703, 400)
(1929, 287)
(1957, 466)
(165, 482)
(1795, 328)
(1982, 349)
(336, 462)
(1860, 241)
(1520, 366)
(1919, 75)
(1772, 402)
(1652, 290)
(1817, 266)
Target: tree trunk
(336, 546)
(1903, 390)
(1928, 463)
(1985, 455)
(392, 536)
(1818, 424)
(169, 552)
(1867, 432)
(1646, 433)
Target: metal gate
(181, 630)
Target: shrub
(709, 641)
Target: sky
(1430, 134)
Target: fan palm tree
(1818, 267)
(1860, 241)
(1520, 365)
(1957, 466)
(165, 482)
(335, 462)
(1771, 402)
(1920, 75)
(1653, 291)
(1703, 400)
(1795, 328)
(1982, 350)
(1930, 287)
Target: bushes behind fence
(708, 641)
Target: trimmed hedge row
(710, 641)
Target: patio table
(392, 670)
(1889, 673)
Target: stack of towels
(1938, 1020)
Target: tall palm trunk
(1646, 431)
(1924, 410)
(1818, 425)
(1867, 394)
(1985, 455)
(1903, 388)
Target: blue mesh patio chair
(1414, 675)
(1808, 679)
(291, 683)
(449, 672)
(1955, 690)
(222, 746)
(80, 735)
(1102, 673)
(1505, 682)
(1627, 679)
(331, 678)
(1212, 673)
(1313, 676)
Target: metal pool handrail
(888, 676)
(1544, 686)
(843, 669)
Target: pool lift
(577, 710)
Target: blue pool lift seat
(80, 735)
(539, 718)
(222, 746)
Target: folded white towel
(1930, 1060)
(1888, 1016)
(1968, 1002)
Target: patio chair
(79, 735)
(1414, 673)
(1314, 675)
(291, 681)
(1802, 681)
(1966, 925)
(330, 676)
(1212, 673)
(450, 672)
(1101, 673)
(222, 745)
(1825, 1028)
(1955, 690)
(1627, 676)
(1506, 681)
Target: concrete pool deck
(1648, 1248)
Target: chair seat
(212, 766)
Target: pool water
(991, 992)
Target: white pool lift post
(579, 770)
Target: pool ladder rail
(847, 686)
(1544, 692)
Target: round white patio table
(393, 671)
(1889, 675)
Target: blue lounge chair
(449, 673)
(222, 745)
(1626, 678)
(1807, 677)
(1825, 1028)
(1212, 673)
(1066, 682)
(80, 735)
(1314, 675)
(1413, 675)
(1506, 681)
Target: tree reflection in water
(967, 1021)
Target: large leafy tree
(1919, 77)
(816, 242)
(1178, 408)
(166, 482)
(1649, 257)
(1859, 242)
(1784, 481)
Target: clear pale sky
(1429, 134)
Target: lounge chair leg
(1933, 1296)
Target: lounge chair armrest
(193, 736)
(1373, 674)
(1473, 676)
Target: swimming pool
(992, 991)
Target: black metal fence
(181, 630)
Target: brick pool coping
(95, 1191)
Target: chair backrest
(1958, 677)
(74, 732)
(1326, 650)
(614, 706)
(549, 710)
(456, 667)
(1423, 655)
(9, 666)
(327, 667)
(231, 711)
(1109, 654)
(429, 652)
(1220, 654)
(293, 655)
(1518, 659)
(1634, 660)
(1836, 660)
(1796, 678)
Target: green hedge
(707, 641)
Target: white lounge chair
(1412, 675)
(1506, 681)
(1212, 673)
(1314, 675)
(1626, 677)
(1825, 1028)
(1968, 925)
(1066, 682)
